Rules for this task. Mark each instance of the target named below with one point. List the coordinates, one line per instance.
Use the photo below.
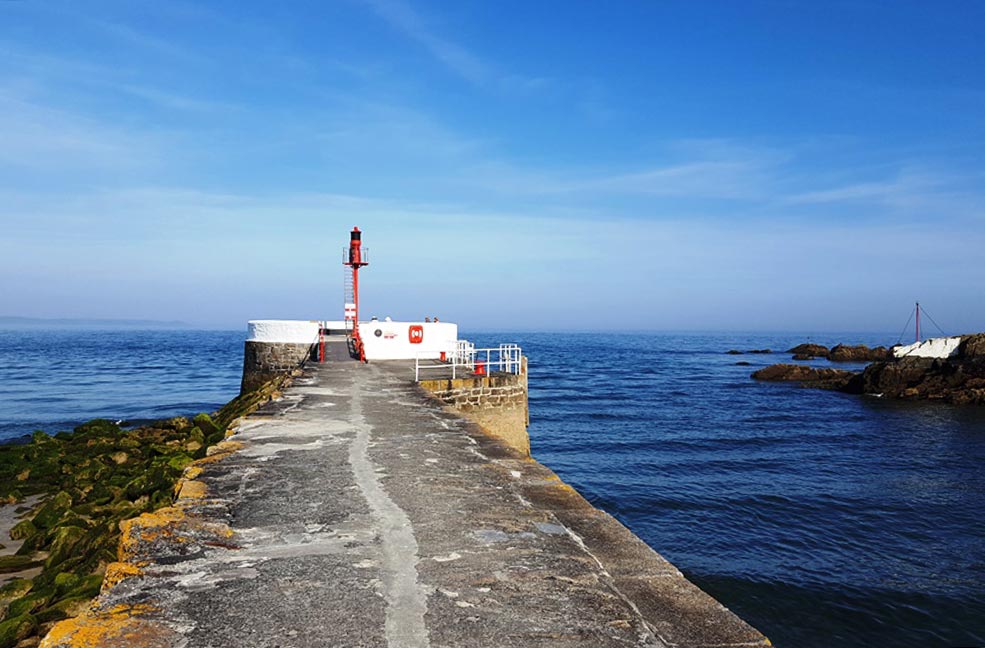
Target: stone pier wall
(497, 403)
(264, 361)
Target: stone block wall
(497, 403)
(264, 361)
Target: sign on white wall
(384, 340)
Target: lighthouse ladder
(349, 297)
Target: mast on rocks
(918, 322)
(354, 258)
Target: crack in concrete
(406, 599)
(648, 635)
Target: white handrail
(506, 358)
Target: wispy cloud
(58, 75)
(916, 191)
(719, 179)
(689, 169)
(883, 191)
(167, 49)
(402, 17)
(38, 136)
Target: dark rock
(98, 428)
(15, 629)
(205, 423)
(972, 346)
(32, 543)
(66, 582)
(742, 363)
(63, 542)
(802, 356)
(64, 609)
(859, 353)
(952, 380)
(23, 529)
(809, 349)
(15, 589)
(88, 587)
(152, 480)
(52, 511)
(15, 563)
(815, 377)
(31, 602)
(734, 352)
(760, 351)
(178, 424)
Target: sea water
(821, 518)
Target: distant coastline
(20, 323)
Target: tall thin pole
(355, 297)
(355, 261)
(918, 321)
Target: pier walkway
(355, 511)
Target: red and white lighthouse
(354, 258)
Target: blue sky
(762, 165)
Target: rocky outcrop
(972, 346)
(959, 379)
(808, 351)
(811, 376)
(859, 353)
(841, 352)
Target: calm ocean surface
(822, 519)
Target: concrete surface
(355, 511)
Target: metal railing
(466, 359)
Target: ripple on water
(822, 518)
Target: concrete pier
(358, 511)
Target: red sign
(416, 333)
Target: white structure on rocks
(944, 347)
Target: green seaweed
(91, 478)
(16, 629)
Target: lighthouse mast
(355, 257)
(918, 321)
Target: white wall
(294, 331)
(932, 348)
(393, 342)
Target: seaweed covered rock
(93, 479)
(16, 629)
(16, 563)
(15, 589)
(52, 511)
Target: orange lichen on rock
(121, 625)
(192, 489)
(219, 451)
(171, 524)
(146, 528)
(117, 571)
